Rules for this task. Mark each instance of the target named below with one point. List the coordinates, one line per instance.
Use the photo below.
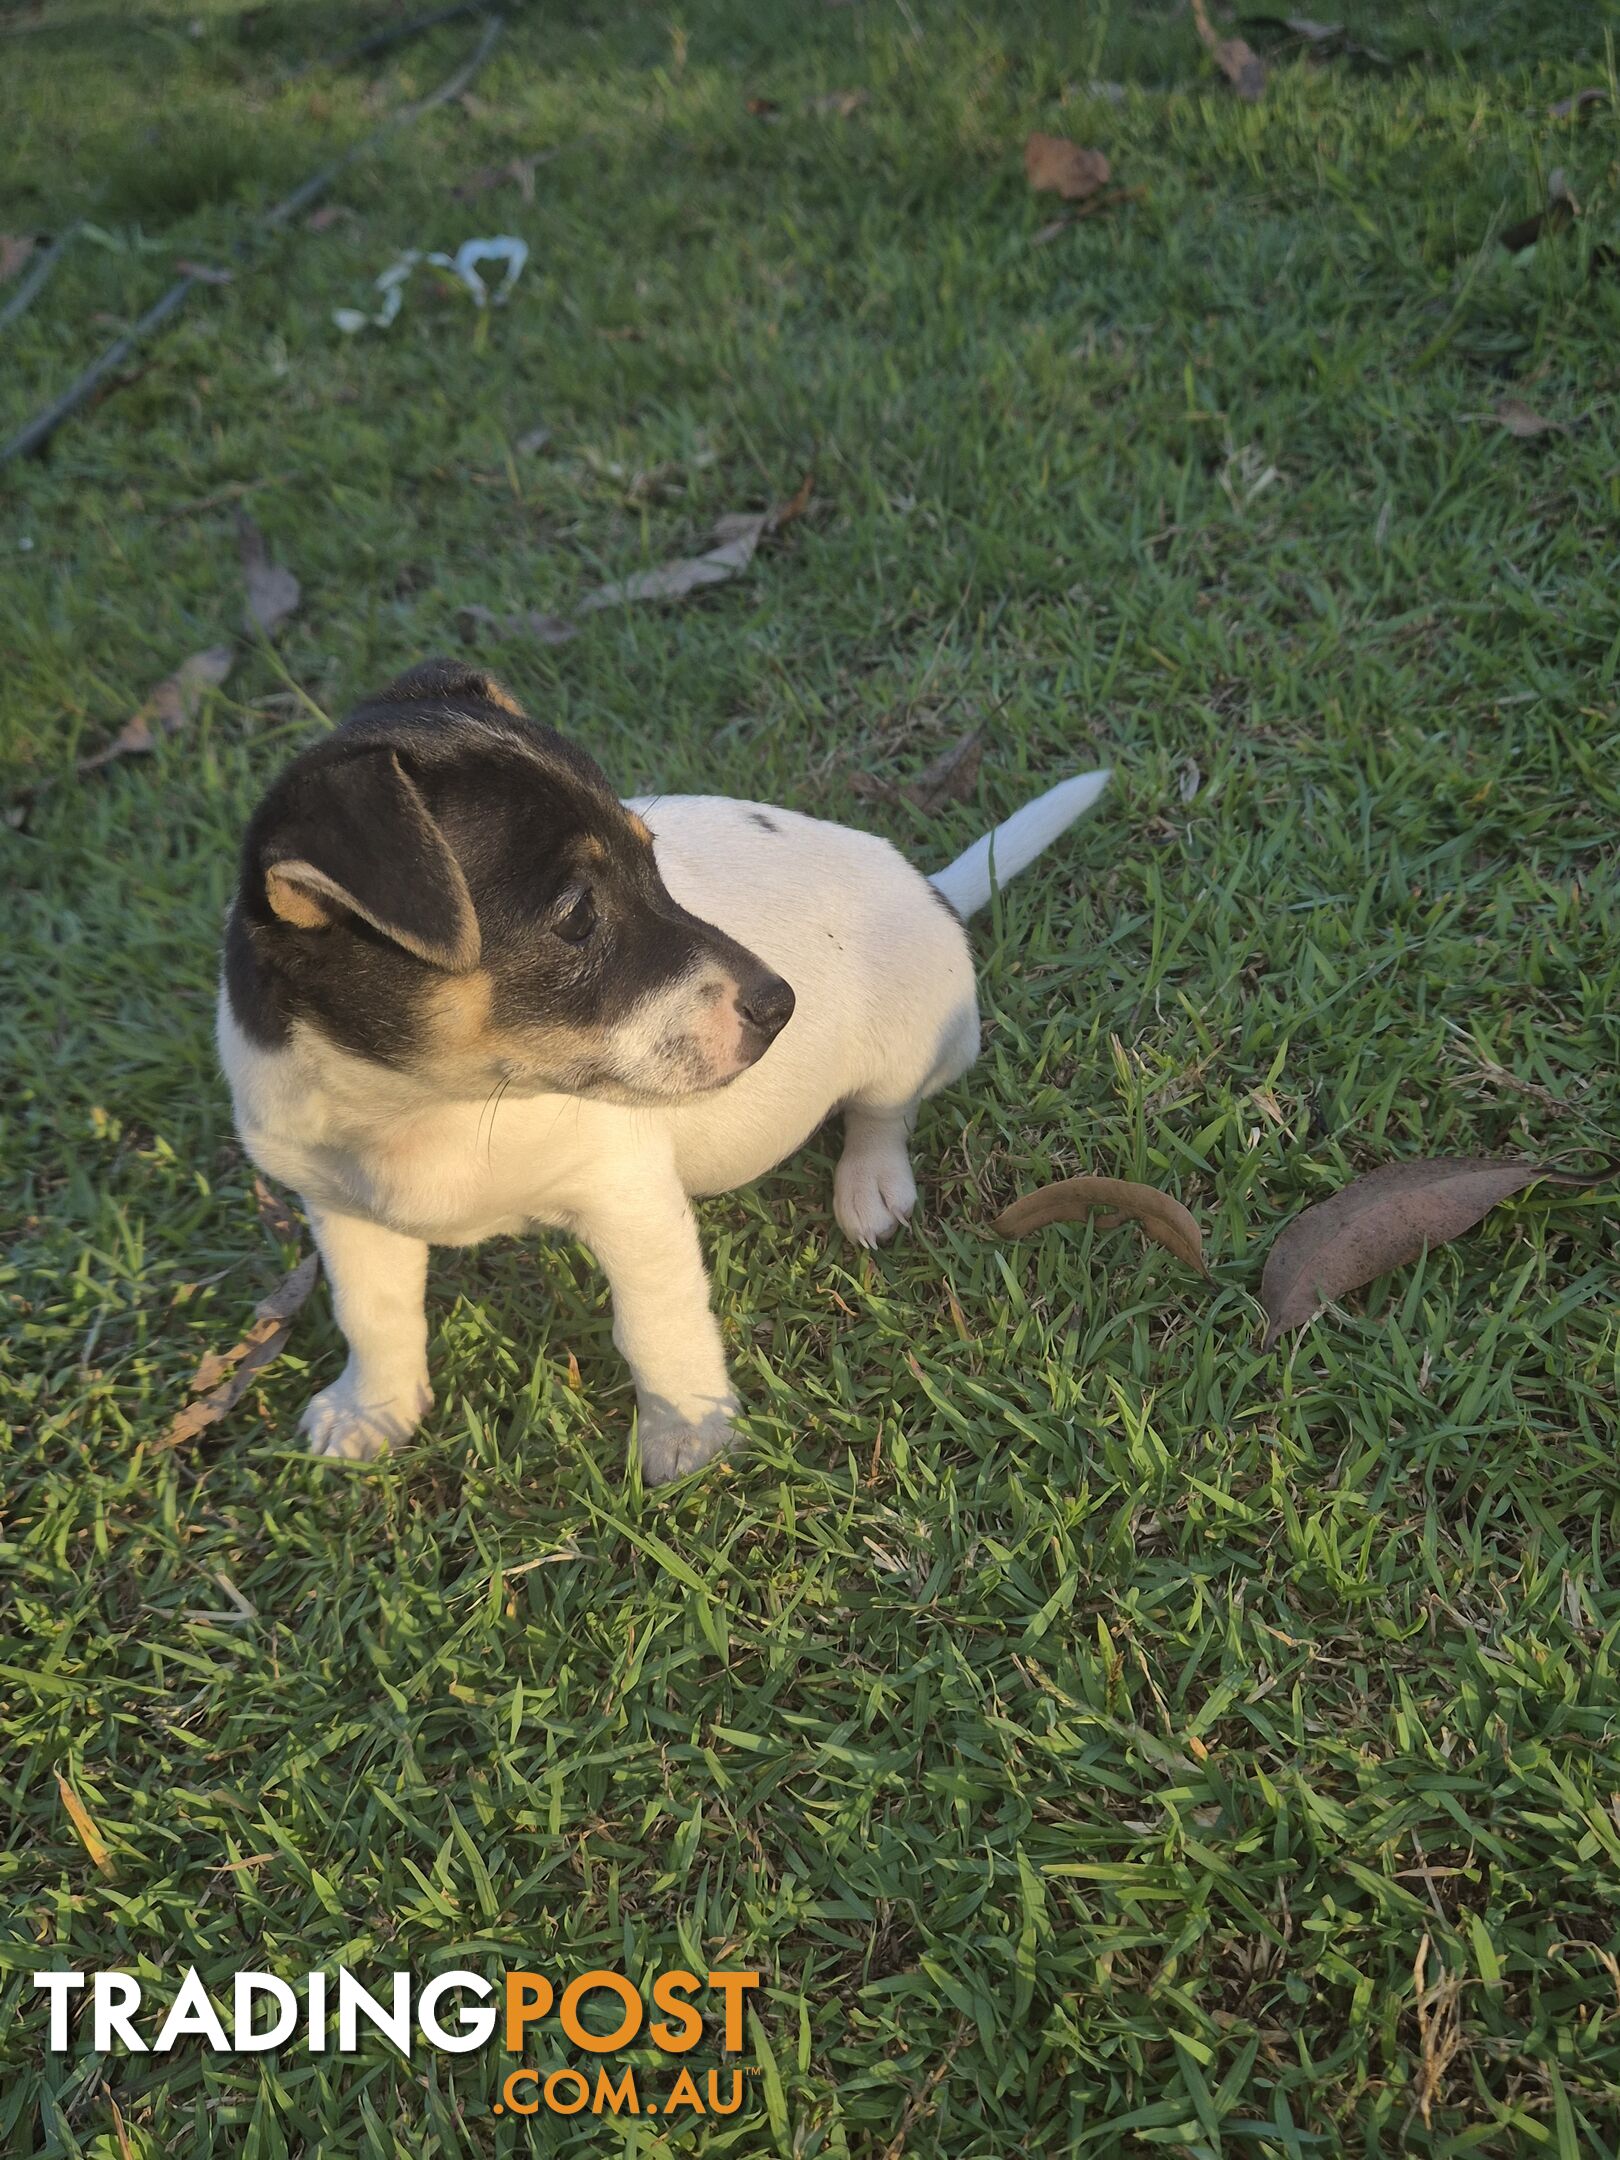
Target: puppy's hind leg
(874, 1191)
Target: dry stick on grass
(35, 276)
(43, 426)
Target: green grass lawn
(1084, 1723)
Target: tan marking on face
(458, 1012)
(639, 827)
(466, 1051)
(294, 903)
(595, 850)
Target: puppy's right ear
(357, 838)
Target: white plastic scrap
(502, 248)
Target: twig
(44, 263)
(34, 436)
(44, 425)
(381, 39)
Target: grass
(1085, 1724)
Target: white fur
(886, 1014)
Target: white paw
(356, 1424)
(670, 1445)
(873, 1195)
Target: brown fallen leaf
(1094, 206)
(949, 778)
(1381, 1221)
(737, 537)
(1238, 62)
(173, 705)
(272, 590)
(1571, 108)
(761, 108)
(1322, 40)
(1562, 209)
(475, 622)
(1113, 1200)
(15, 249)
(277, 1218)
(517, 172)
(1055, 166)
(1516, 416)
(328, 215)
(84, 1825)
(225, 1374)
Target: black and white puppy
(467, 991)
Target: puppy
(467, 991)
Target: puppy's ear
(359, 839)
(455, 681)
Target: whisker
(492, 1103)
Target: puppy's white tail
(1029, 832)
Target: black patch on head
(765, 824)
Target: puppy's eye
(576, 917)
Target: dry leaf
(263, 1342)
(517, 172)
(279, 1219)
(949, 778)
(1561, 210)
(1571, 108)
(205, 273)
(474, 622)
(1239, 63)
(1054, 166)
(15, 249)
(1516, 416)
(1093, 207)
(272, 590)
(173, 705)
(737, 536)
(1164, 1219)
(327, 216)
(89, 1836)
(1188, 779)
(1381, 1221)
(761, 108)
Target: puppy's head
(449, 889)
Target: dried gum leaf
(1384, 1220)
(1162, 1217)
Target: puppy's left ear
(358, 839)
(454, 682)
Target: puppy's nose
(767, 1006)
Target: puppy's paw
(670, 1445)
(355, 1424)
(872, 1195)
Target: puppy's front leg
(378, 1281)
(647, 1243)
